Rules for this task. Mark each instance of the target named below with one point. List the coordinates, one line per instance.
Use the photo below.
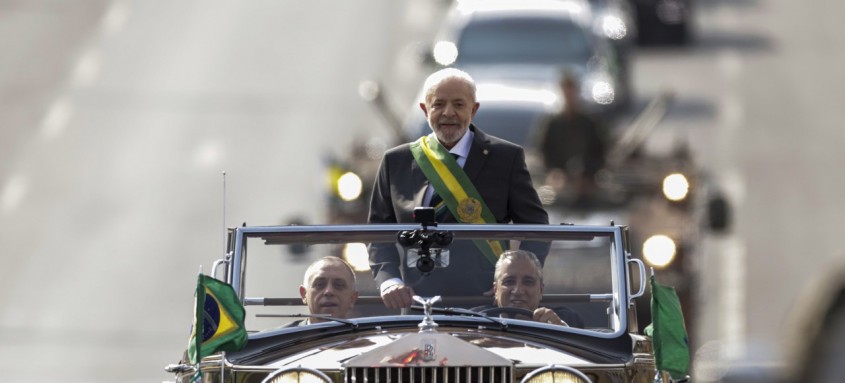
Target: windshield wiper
(321, 316)
(460, 311)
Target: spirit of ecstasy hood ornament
(427, 325)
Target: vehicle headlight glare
(357, 256)
(297, 375)
(659, 250)
(675, 187)
(613, 27)
(349, 186)
(556, 374)
(445, 52)
(603, 93)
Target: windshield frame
(620, 280)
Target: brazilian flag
(218, 320)
(668, 332)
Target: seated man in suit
(519, 283)
(328, 288)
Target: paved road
(760, 96)
(119, 117)
(118, 120)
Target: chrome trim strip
(280, 234)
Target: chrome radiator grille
(473, 374)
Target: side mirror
(718, 213)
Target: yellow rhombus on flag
(218, 320)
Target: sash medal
(452, 184)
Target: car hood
(437, 349)
(392, 340)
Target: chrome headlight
(675, 187)
(659, 250)
(555, 374)
(296, 375)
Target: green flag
(671, 346)
(218, 320)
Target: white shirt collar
(462, 147)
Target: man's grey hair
(442, 75)
(309, 273)
(511, 255)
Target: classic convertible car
(588, 270)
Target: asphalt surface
(119, 117)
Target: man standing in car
(467, 176)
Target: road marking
(115, 18)
(731, 105)
(733, 298)
(57, 118)
(87, 69)
(13, 193)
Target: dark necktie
(441, 211)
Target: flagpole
(224, 215)
(198, 326)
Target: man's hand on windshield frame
(398, 296)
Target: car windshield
(581, 273)
(554, 41)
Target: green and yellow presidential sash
(452, 184)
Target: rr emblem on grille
(428, 351)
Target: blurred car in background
(535, 41)
(666, 199)
(663, 21)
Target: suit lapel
(418, 178)
(477, 154)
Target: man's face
(519, 285)
(330, 290)
(449, 110)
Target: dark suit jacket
(497, 169)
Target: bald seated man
(328, 288)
